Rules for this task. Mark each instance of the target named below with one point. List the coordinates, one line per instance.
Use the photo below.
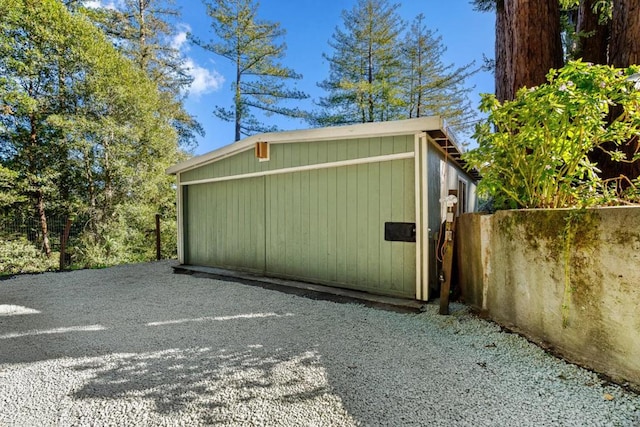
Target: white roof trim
(365, 130)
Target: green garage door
(224, 224)
(324, 225)
(327, 226)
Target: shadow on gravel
(213, 386)
(144, 342)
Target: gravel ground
(139, 345)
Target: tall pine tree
(143, 31)
(365, 66)
(429, 86)
(252, 45)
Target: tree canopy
(380, 71)
(601, 32)
(253, 46)
(81, 125)
(142, 30)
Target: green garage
(355, 207)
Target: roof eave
(377, 129)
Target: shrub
(533, 151)
(126, 237)
(18, 255)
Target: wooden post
(63, 244)
(447, 259)
(158, 252)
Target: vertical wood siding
(328, 226)
(324, 225)
(225, 224)
(296, 154)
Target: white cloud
(96, 4)
(204, 80)
(179, 41)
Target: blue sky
(309, 24)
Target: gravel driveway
(139, 345)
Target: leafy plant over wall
(533, 151)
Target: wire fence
(22, 244)
(30, 229)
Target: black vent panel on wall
(400, 231)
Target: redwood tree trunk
(528, 44)
(592, 46)
(624, 50)
(504, 52)
(624, 47)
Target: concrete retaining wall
(568, 279)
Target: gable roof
(434, 126)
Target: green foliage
(142, 31)
(365, 66)
(604, 9)
(127, 237)
(83, 129)
(252, 45)
(9, 188)
(379, 71)
(37, 52)
(18, 255)
(429, 87)
(533, 151)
